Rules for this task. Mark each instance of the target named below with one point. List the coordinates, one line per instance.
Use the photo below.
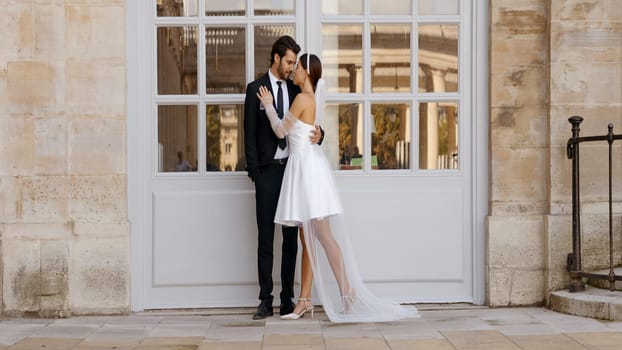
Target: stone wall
(550, 59)
(63, 197)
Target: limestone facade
(65, 247)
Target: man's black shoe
(287, 307)
(263, 310)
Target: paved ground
(440, 327)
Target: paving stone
(292, 339)
(548, 342)
(599, 340)
(356, 344)
(113, 345)
(46, 343)
(234, 345)
(479, 340)
(420, 344)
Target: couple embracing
(294, 187)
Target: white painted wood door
(416, 233)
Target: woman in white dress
(309, 199)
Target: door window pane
(342, 57)
(176, 8)
(225, 7)
(225, 139)
(177, 60)
(393, 7)
(265, 36)
(225, 59)
(342, 7)
(274, 7)
(437, 7)
(438, 58)
(177, 138)
(438, 135)
(390, 58)
(345, 147)
(390, 135)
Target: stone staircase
(597, 301)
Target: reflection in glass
(177, 138)
(345, 148)
(438, 58)
(225, 138)
(342, 57)
(437, 7)
(177, 8)
(390, 58)
(177, 60)
(438, 135)
(390, 135)
(342, 7)
(225, 56)
(393, 7)
(265, 36)
(225, 7)
(274, 7)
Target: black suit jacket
(260, 142)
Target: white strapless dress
(308, 190)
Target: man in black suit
(266, 156)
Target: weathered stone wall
(63, 197)
(550, 59)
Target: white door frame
(138, 96)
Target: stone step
(593, 302)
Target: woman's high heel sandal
(348, 300)
(295, 316)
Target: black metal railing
(573, 261)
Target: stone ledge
(593, 303)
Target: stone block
(515, 242)
(18, 145)
(605, 82)
(50, 29)
(98, 146)
(33, 88)
(561, 180)
(595, 121)
(520, 87)
(54, 278)
(18, 36)
(577, 10)
(519, 127)
(582, 42)
(41, 231)
(527, 18)
(558, 243)
(569, 83)
(96, 87)
(99, 198)
(99, 275)
(21, 289)
(85, 37)
(44, 199)
(101, 229)
(519, 174)
(51, 149)
(533, 50)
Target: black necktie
(279, 110)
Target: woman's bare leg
(306, 278)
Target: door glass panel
(390, 58)
(225, 58)
(342, 57)
(438, 58)
(225, 139)
(225, 7)
(177, 138)
(438, 135)
(177, 60)
(274, 7)
(437, 7)
(344, 148)
(390, 135)
(176, 8)
(265, 36)
(393, 7)
(342, 7)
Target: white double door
(417, 236)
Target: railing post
(574, 259)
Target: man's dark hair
(281, 45)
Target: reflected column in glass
(438, 58)
(225, 59)
(390, 58)
(265, 36)
(342, 7)
(177, 138)
(273, 7)
(342, 57)
(177, 60)
(438, 135)
(437, 7)
(390, 135)
(393, 7)
(225, 137)
(225, 7)
(176, 8)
